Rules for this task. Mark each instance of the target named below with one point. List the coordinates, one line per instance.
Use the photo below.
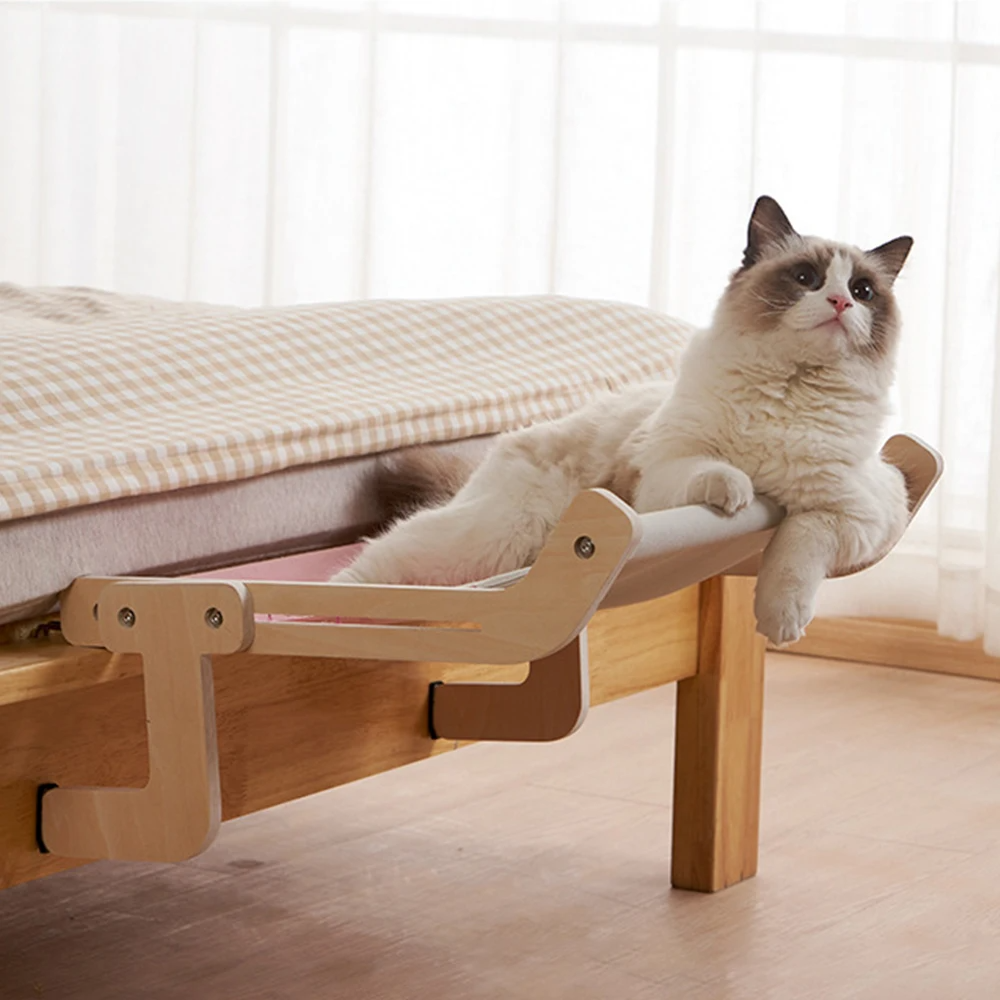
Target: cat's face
(814, 300)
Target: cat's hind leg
(497, 522)
(446, 546)
(500, 519)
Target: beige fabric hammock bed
(128, 736)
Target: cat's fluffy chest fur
(798, 431)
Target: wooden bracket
(550, 703)
(174, 626)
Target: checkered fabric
(105, 396)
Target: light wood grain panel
(174, 626)
(287, 726)
(718, 744)
(39, 670)
(896, 642)
(640, 646)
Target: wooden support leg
(549, 704)
(174, 626)
(718, 744)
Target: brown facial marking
(882, 306)
(759, 295)
(764, 287)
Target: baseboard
(896, 642)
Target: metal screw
(584, 547)
(126, 617)
(213, 618)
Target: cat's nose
(839, 303)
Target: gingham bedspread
(105, 396)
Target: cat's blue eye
(862, 290)
(807, 276)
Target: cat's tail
(417, 478)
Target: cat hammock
(601, 554)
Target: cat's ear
(768, 225)
(892, 255)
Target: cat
(783, 395)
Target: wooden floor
(529, 873)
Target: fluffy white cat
(783, 395)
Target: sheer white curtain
(272, 153)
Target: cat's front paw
(782, 616)
(725, 488)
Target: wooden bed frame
(201, 707)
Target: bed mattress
(192, 530)
(139, 435)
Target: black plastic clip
(430, 709)
(42, 789)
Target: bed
(176, 482)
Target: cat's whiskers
(774, 308)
